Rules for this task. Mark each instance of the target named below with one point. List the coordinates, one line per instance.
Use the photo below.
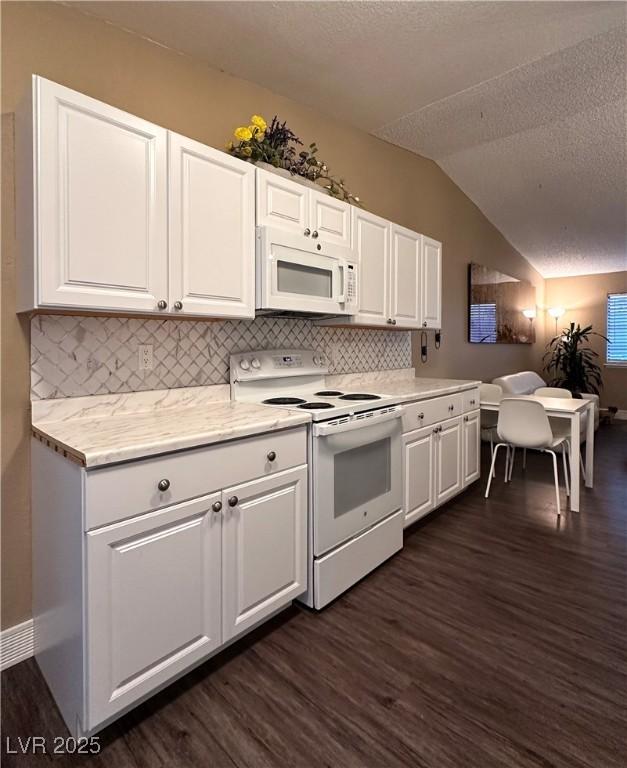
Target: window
(483, 323)
(617, 328)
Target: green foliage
(571, 363)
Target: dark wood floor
(497, 637)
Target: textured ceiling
(523, 104)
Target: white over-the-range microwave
(296, 275)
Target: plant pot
(293, 177)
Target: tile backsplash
(74, 356)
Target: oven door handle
(322, 430)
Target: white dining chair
(562, 426)
(490, 393)
(523, 423)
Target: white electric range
(355, 474)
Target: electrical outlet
(144, 354)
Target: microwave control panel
(351, 285)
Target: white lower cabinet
(471, 449)
(440, 460)
(153, 601)
(448, 460)
(161, 575)
(264, 542)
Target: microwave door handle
(341, 299)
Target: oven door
(294, 275)
(356, 475)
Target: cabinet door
(101, 204)
(448, 462)
(431, 299)
(212, 231)
(153, 601)
(281, 203)
(405, 276)
(330, 219)
(418, 473)
(471, 447)
(264, 548)
(371, 242)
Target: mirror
(501, 307)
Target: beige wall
(585, 300)
(186, 96)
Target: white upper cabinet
(405, 276)
(329, 219)
(100, 205)
(431, 280)
(281, 202)
(212, 231)
(371, 242)
(290, 205)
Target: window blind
(483, 323)
(617, 328)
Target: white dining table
(572, 409)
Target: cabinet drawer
(471, 399)
(119, 492)
(427, 412)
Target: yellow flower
(229, 145)
(243, 134)
(256, 132)
(259, 122)
(247, 151)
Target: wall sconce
(556, 313)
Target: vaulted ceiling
(523, 104)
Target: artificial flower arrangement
(276, 144)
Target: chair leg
(524, 458)
(492, 473)
(511, 463)
(564, 451)
(492, 449)
(583, 467)
(557, 484)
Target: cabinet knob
(163, 304)
(451, 407)
(178, 305)
(424, 324)
(271, 455)
(389, 321)
(393, 322)
(164, 484)
(319, 247)
(314, 233)
(233, 501)
(307, 232)
(421, 415)
(472, 402)
(465, 418)
(216, 506)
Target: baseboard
(16, 644)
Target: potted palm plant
(571, 363)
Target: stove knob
(255, 363)
(244, 365)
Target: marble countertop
(406, 388)
(95, 442)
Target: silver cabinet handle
(217, 506)
(424, 325)
(393, 322)
(233, 501)
(451, 407)
(307, 232)
(465, 418)
(421, 415)
(163, 304)
(314, 233)
(178, 305)
(164, 484)
(271, 455)
(472, 402)
(389, 321)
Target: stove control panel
(275, 363)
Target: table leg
(590, 447)
(575, 450)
